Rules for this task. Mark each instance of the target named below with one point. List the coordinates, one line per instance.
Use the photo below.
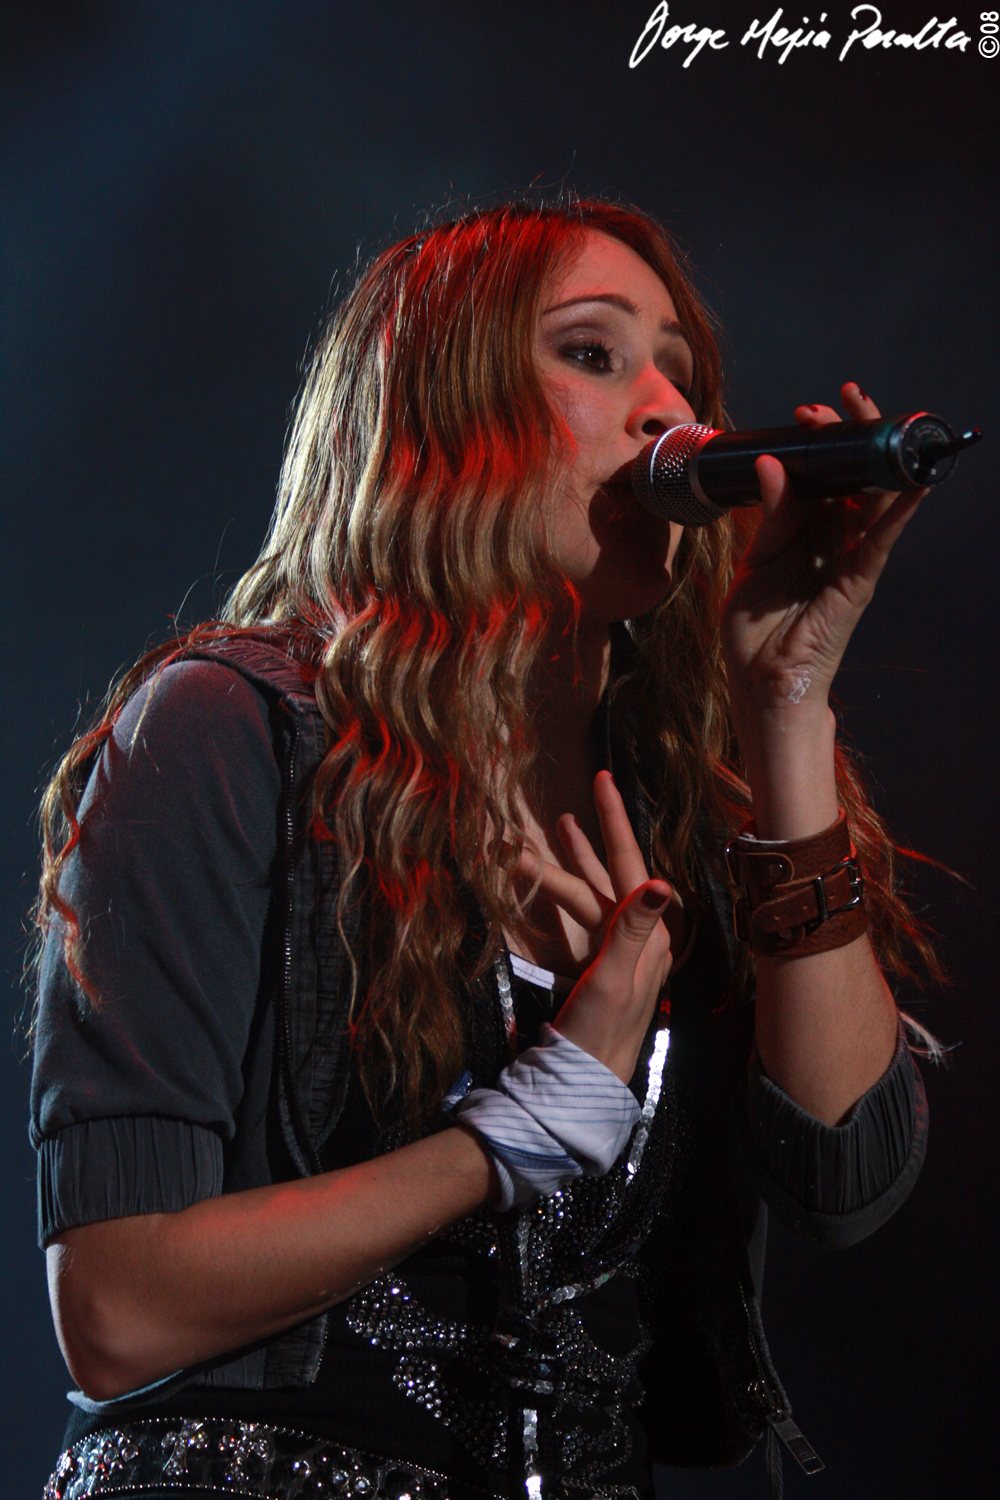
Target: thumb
(632, 924)
(779, 514)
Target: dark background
(184, 187)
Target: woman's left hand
(803, 582)
(825, 1022)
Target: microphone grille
(661, 476)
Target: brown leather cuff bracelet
(797, 896)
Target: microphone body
(694, 474)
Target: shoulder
(195, 700)
(197, 733)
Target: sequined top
(520, 1334)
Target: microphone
(694, 474)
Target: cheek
(573, 540)
(585, 419)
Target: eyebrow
(615, 299)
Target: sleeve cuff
(837, 1183)
(110, 1169)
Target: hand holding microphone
(694, 474)
(811, 567)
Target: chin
(631, 601)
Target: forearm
(825, 1022)
(135, 1299)
(825, 1027)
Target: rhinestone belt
(227, 1457)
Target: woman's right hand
(138, 1298)
(609, 1010)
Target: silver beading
(248, 1460)
(534, 1378)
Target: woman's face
(615, 366)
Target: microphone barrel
(815, 466)
(838, 459)
(693, 474)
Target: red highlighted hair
(406, 547)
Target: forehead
(604, 266)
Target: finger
(626, 866)
(580, 853)
(875, 506)
(779, 520)
(859, 407)
(529, 875)
(774, 483)
(589, 904)
(637, 919)
(576, 897)
(816, 416)
(880, 538)
(829, 526)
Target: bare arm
(826, 1022)
(136, 1298)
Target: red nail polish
(654, 900)
(862, 394)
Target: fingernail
(861, 393)
(654, 900)
(812, 408)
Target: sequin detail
(529, 1439)
(501, 969)
(534, 1394)
(243, 1459)
(657, 1062)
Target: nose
(658, 406)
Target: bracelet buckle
(856, 887)
(777, 913)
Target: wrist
(493, 1188)
(796, 897)
(555, 1113)
(790, 767)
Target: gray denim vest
(312, 989)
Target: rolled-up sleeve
(836, 1184)
(134, 1097)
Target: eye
(683, 385)
(592, 354)
(682, 380)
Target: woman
(392, 1098)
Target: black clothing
(167, 1095)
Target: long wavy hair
(405, 555)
